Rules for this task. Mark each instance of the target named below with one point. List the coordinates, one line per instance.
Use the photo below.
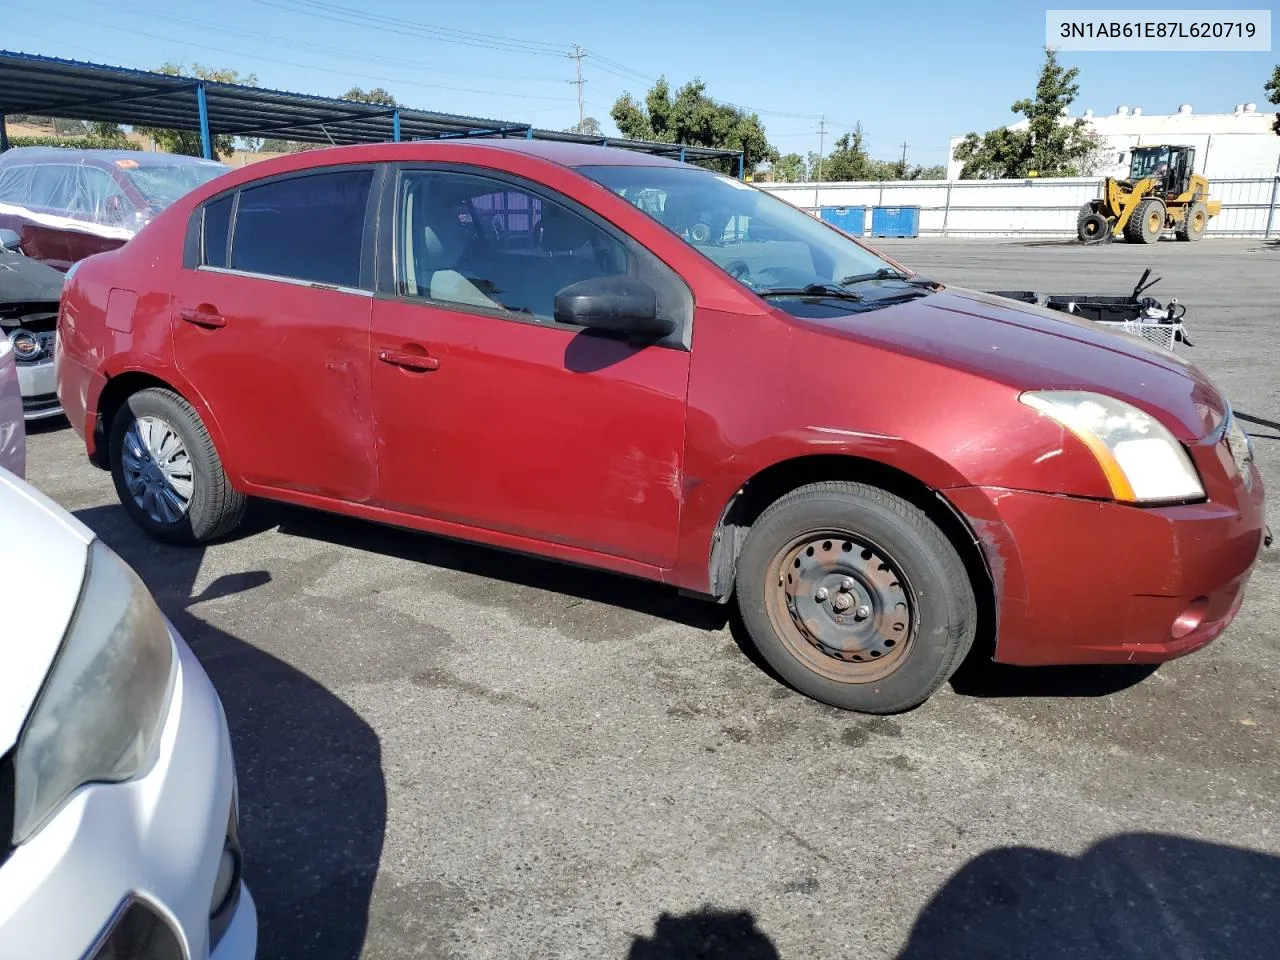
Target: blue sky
(919, 72)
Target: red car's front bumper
(1083, 581)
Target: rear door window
(308, 227)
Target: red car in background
(625, 362)
(66, 204)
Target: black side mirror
(10, 240)
(618, 304)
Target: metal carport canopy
(88, 91)
(76, 90)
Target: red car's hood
(1033, 348)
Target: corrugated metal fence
(975, 208)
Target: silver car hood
(47, 550)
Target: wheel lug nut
(821, 595)
(846, 584)
(862, 612)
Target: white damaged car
(118, 803)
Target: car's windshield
(163, 183)
(763, 242)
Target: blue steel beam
(206, 142)
(742, 162)
(395, 125)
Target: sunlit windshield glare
(763, 242)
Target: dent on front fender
(979, 509)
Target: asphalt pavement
(449, 752)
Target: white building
(1228, 145)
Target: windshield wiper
(810, 290)
(884, 273)
(888, 273)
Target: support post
(946, 210)
(1271, 210)
(395, 125)
(4, 134)
(742, 165)
(206, 142)
(682, 154)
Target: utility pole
(904, 159)
(576, 56)
(822, 139)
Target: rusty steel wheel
(855, 597)
(840, 605)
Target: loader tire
(1092, 227)
(1194, 222)
(1147, 222)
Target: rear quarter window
(216, 232)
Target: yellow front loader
(1163, 192)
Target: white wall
(1045, 207)
(1228, 145)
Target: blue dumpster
(895, 221)
(851, 220)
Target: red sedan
(625, 362)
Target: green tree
(108, 131)
(1049, 147)
(1273, 95)
(848, 160)
(691, 117)
(589, 125)
(788, 168)
(935, 171)
(187, 142)
(376, 95)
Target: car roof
(576, 154)
(561, 154)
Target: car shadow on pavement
(597, 586)
(312, 795)
(979, 677)
(705, 934)
(1132, 896)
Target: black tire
(921, 564)
(1092, 227)
(1194, 222)
(1147, 223)
(214, 508)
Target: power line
(210, 27)
(468, 38)
(307, 66)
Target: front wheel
(167, 473)
(855, 597)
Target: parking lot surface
(450, 752)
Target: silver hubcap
(157, 470)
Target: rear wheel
(1147, 222)
(1195, 222)
(167, 473)
(855, 597)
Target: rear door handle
(201, 318)
(409, 361)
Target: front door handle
(203, 318)
(409, 361)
